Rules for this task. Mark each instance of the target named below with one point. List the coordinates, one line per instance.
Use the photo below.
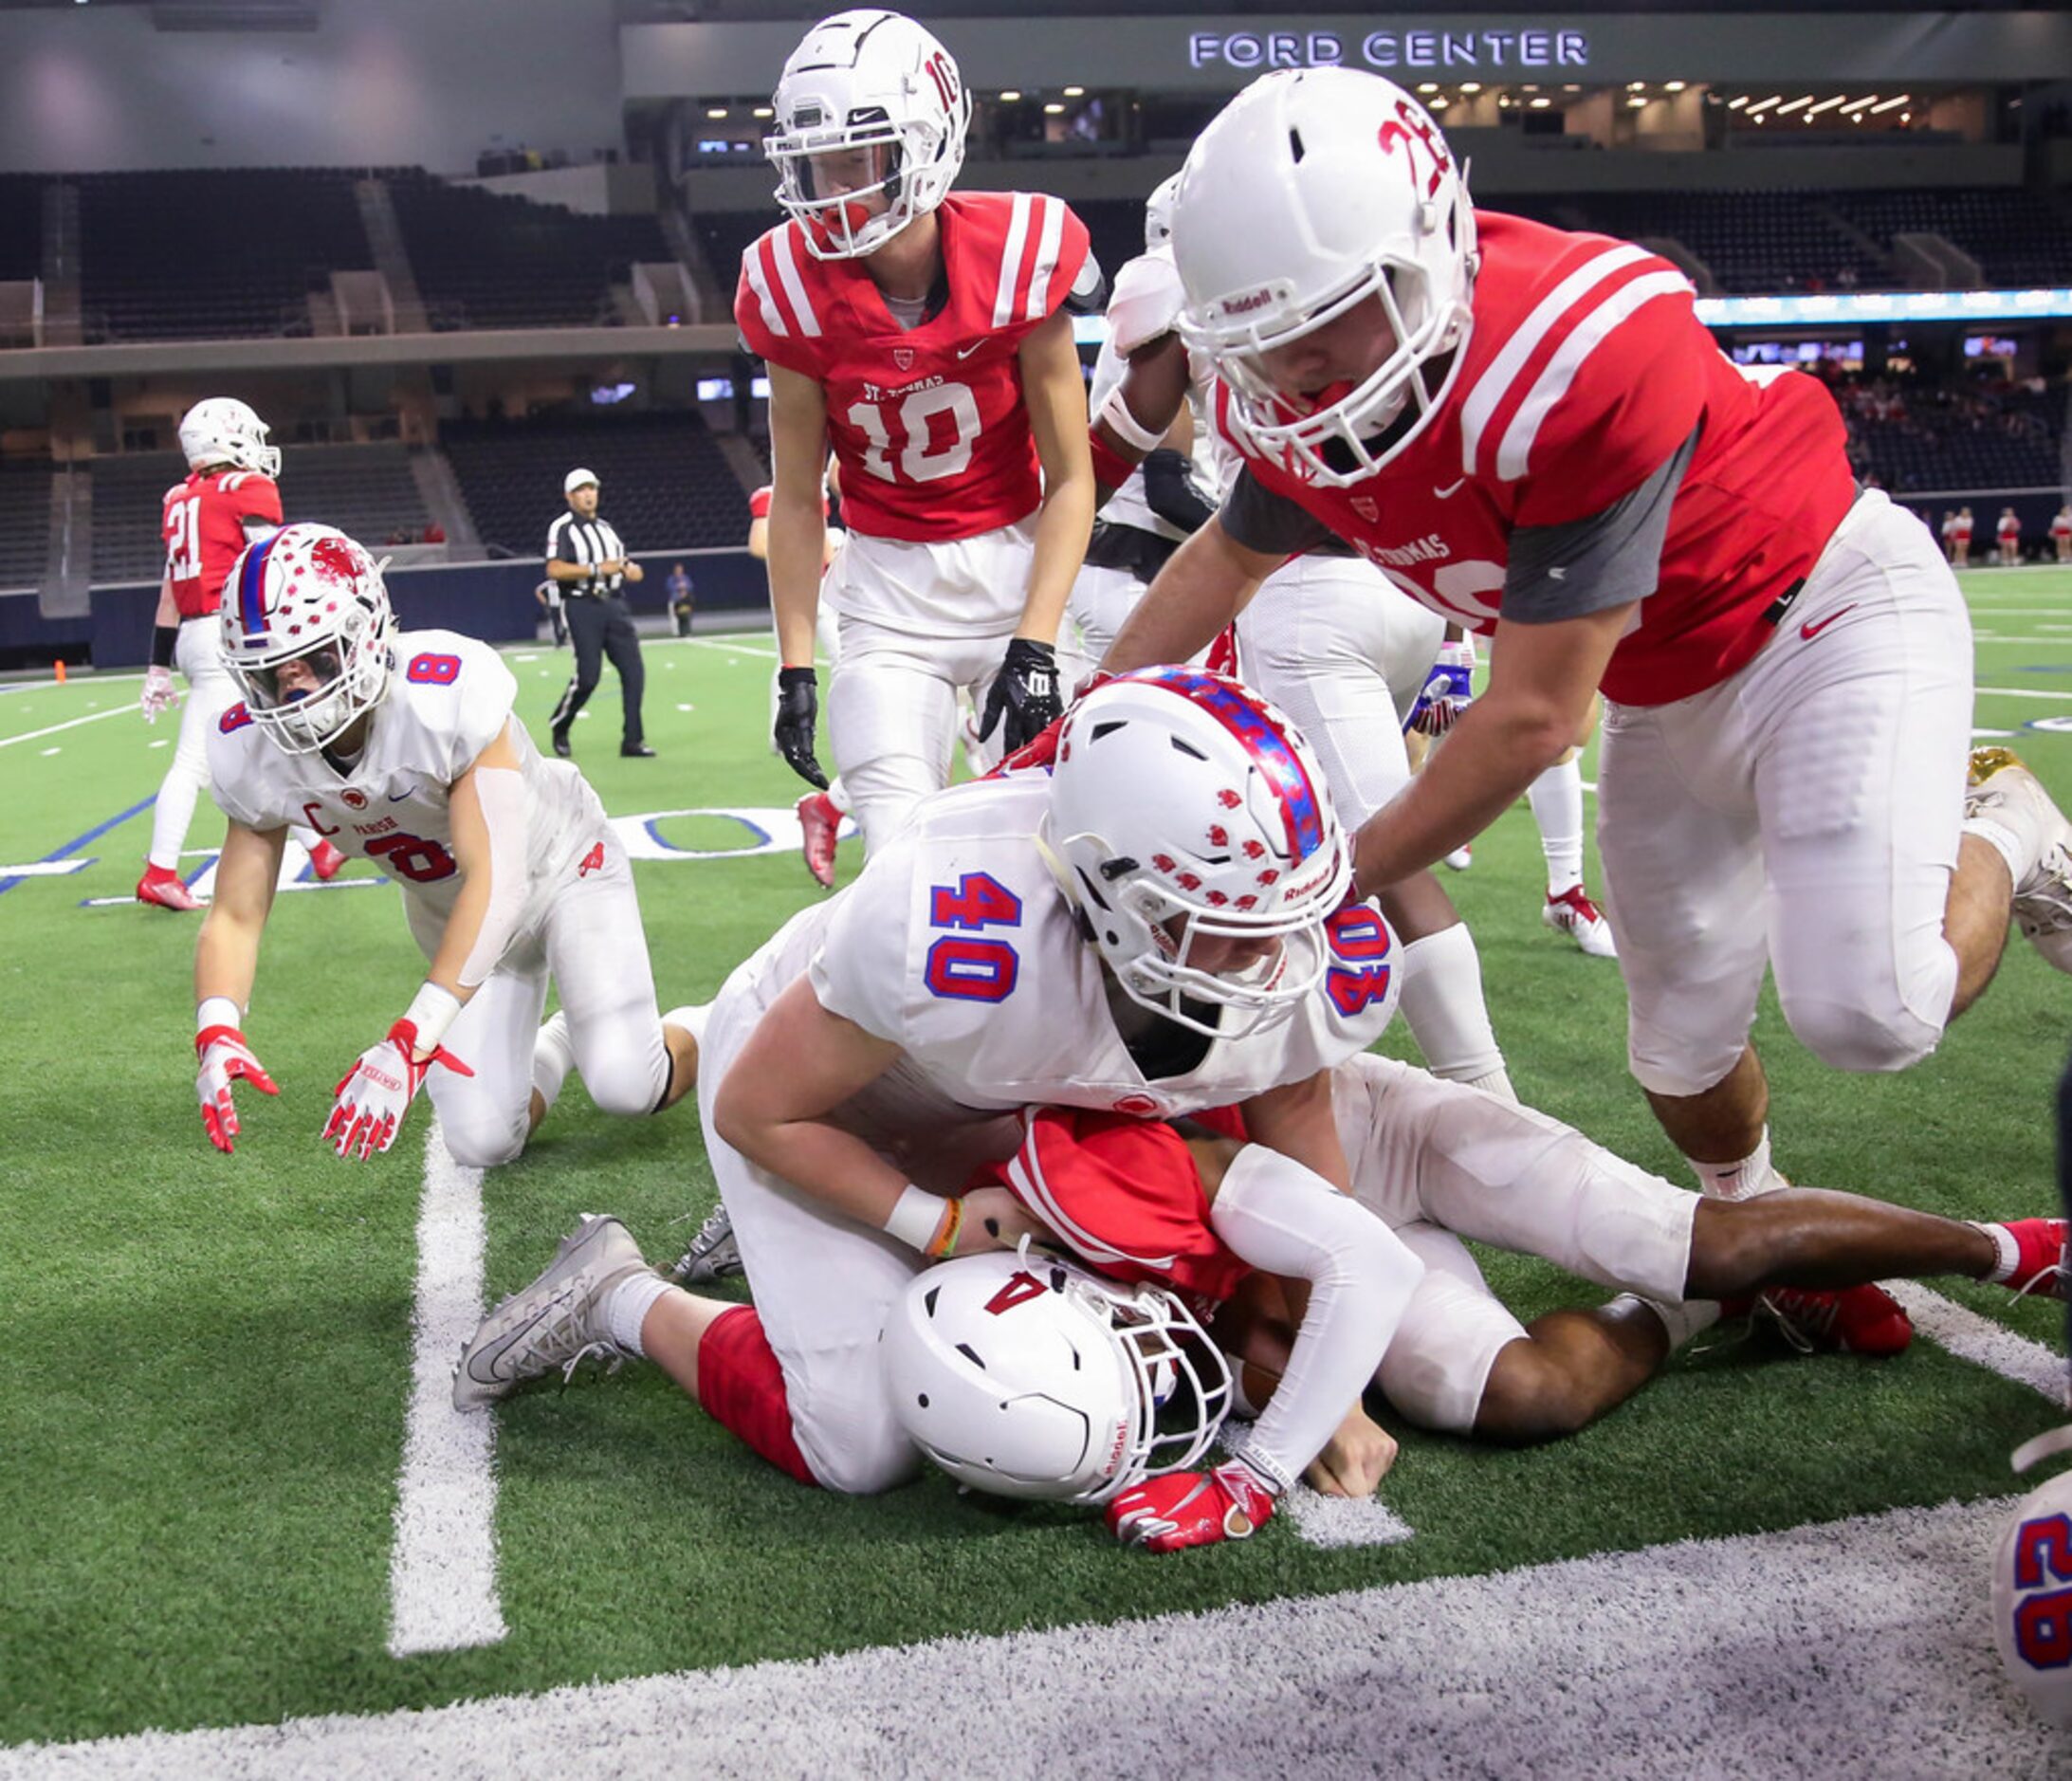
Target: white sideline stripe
(441, 1569)
(1982, 1340)
(118, 711)
(49, 869)
(767, 653)
(2020, 692)
(1858, 1650)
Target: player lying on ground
(402, 747)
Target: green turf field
(207, 1357)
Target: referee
(587, 561)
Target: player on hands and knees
(1533, 432)
(403, 745)
(921, 334)
(231, 496)
(1158, 927)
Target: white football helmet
(1184, 808)
(876, 89)
(1158, 214)
(2033, 1587)
(309, 595)
(1312, 191)
(1026, 1376)
(225, 431)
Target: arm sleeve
(1286, 1218)
(1604, 559)
(1169, 491)
(1269, 523)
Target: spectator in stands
(2008, 535)
(2060, 534)
(588, 563)
(683, 602)
(435, 533)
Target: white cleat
(555, 1321)
(1461, 858)
(1574, 914)
(2002, 792)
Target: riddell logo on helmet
(1305, 887)
(1244, 306)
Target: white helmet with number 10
(1311, 192)
(880, 101)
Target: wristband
(217, 1011)
(1111, 469)
(920, 1218)
(1123, 422)
(430, 1013)
(164, 640)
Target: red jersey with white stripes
(204, 527)
(928, 422)
(1123, 1194)
(1586, 370)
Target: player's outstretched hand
(1448, 690)
(376, 1093)
(225, 1059)
(797, 712)
(158, 695)
(1025, 694)
(1183, 1509)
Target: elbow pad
(1286, 1218)
(501, 792)
(1170, 493)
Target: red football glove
(225, 1060)
(1192, 1509)
(376, 1093)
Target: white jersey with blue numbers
(448, 698)
(957, 945)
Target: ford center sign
(1467, 51)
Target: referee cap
(576, 479)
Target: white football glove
(376, 1093)
(225, 1059)
(158, 695)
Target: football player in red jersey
(1529, 430)
(229, 498)
(921, 333)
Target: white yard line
(2024, 692)
(1853, 1649)
(93, 717)
(1982, 1340)
(765, 652)
(442, 1569)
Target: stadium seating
(2017, 238)
(1978, 436)
(666, 485)
(24, 523)
(486, 260)
(21, 226)
(193, 255)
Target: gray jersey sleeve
(1271, 524)
(1607, 559)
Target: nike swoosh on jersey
(396, 797)
(965, 351)
(1814, 627)
(1449, 490)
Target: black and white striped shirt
(579, 541)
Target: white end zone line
(1982, 1340)
(442, 1568)
(92, 717)
(1858, 1650)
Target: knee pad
(625, 1079)
(483, 1142)
(1859, 1039)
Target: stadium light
(1439, 103)
(715, 111)
(1010, 95)
(1762, 105)
(1673, 87)
(1891, 104)
(1471, 87)
(1857, 106)
(1785, 110)
(1541, 104)
(1054, 109)
(1634, 101)
(1738, 100)
(1075, 92)
(1825, 105)
(1427, 86)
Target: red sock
(741, 1387)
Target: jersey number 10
(920, 459)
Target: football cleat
(1461, 858)
(2040, 1251)
(554, 1323)
(164, 887)
(2000, 790)
(713, 1254)
(818, 820)
(1574, 914)
(325, 860)
(1864, 1321)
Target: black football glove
(1025, 692)
(797, 709)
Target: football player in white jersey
(403, 749)
(1156, 927)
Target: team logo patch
(353, 799)
(1366, 507)
(1138, 1107)
(904, 357)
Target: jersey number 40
(969, 965)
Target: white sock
(1682, 1321)
(1557, 806)
(1442, 1002)
(689, 1019)
(553, 1057)
(1496, 1082)
(2007, 1251)
(837, 794)
(1744, 1180)
(628, 1309)
(2018, 853)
